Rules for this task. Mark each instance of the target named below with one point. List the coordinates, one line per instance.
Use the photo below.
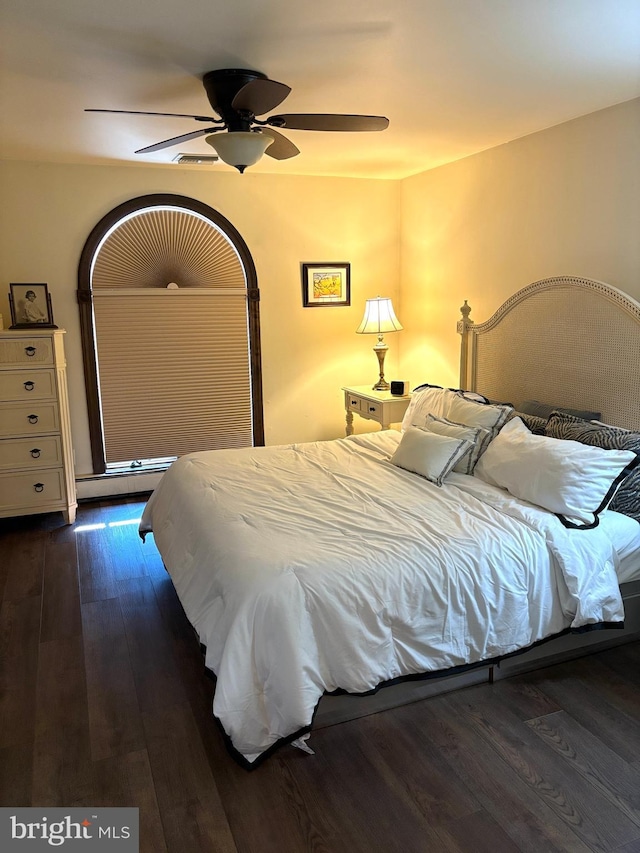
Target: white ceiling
(453, 76)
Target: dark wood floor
(103, 702)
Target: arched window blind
(169, 289)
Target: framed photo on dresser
(30, 306)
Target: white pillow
(478, 436)
(426, 453)
(576, 481)
(489, 417)
(434, 401)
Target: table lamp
(379, 317)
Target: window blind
(174, 372)
(173, 365)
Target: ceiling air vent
(195, 159)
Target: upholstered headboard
(563, 341)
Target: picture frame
(30, 306)
(326, 284)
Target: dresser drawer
(31, 489)
(43, 451)
(27, 384)
(25, 351)
(24, 419)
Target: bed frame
(563, 341)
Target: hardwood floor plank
(625, 660)
(62, 771)
(115, 723)
(61, 594)
(527, 818)
(619, 729)
(19, 650)
(16, 769)
(192, 813)
(376, 809)
(437, 795)
(95, 562)
(613, 777)
(574, 800)
(476, 833)
(158, 680)
(127, 781)
(24, 560)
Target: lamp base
(380, 350)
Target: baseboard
(114, 485)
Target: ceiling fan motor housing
(222, 86)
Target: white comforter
(310, 567)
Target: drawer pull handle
(29, 386)
(354, 403)
(35, 452)
(33, 419)
(38, 487)
(30, 351)
(372, 408)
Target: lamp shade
(379, 317)
(240, 148)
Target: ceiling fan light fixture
(240, 148)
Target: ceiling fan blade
(281, 148)
(328, 121)
(144, 113)
(175, 140)
(260, 96)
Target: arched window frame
(85, 301)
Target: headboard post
(463, 327)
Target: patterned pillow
(560, 425)
(533, 423)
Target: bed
(311, 571)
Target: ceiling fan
(238, 96)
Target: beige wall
(48, 211)
(562, 201)
(565, 201)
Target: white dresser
(36, 456)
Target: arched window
(169, 312)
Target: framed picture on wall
(30, 306)
(326, 284)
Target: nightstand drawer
(26, 419)
(373, 410)
(28, 385)
(373, 405)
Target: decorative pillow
(430, 400)
(471, 413)
(568, 478)
(476, 435)
(542, 410)
(627, 499)
(431, 455)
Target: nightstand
(379, 406)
